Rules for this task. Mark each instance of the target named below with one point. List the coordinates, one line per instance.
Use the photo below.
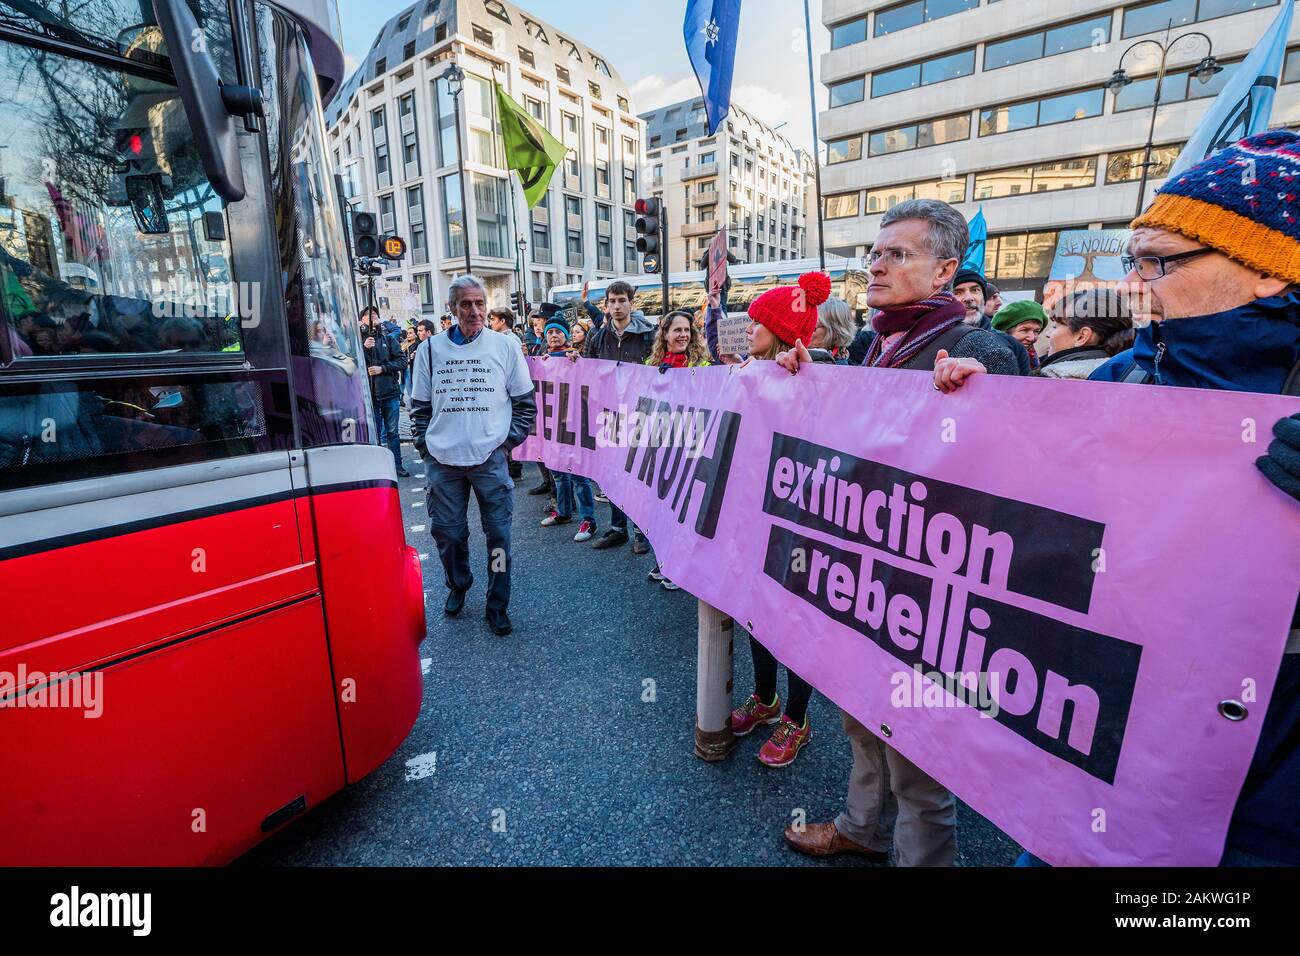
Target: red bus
(211, 616)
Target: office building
(1003, 103)
(392, 129)
(747, 172)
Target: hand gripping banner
(1052, 596)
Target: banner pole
(713, 736)
(817, 148)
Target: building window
(563, 74)
(497, 9)
(415, 205)
(381, 67)
(623, 104)
(419, 247)
(843, 206)
(848, 91)
(594, 89)
(410, 137)
(1052, 109)
(916, 12)
(1042, 178)
(849, 32)
(454, 220)
(1019, 256)
(491, 215)
(1079, 35)
(535, 108)
(446, 124)
(403, 22)
(951, 191)
(844, 150)
(541, 214)
(379, 131)
(387, 216)
(526, 56)
(534, 30)
(1154, 17)
(573, 230)
(629, 186)
(933, 133)
(926, 72)
(1127, 167)
(426, 291)
(484, 36)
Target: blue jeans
(568, 487)
(618, 521)
(388, 415)
(449, 488)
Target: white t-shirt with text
(468, 388)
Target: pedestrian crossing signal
(394, 247)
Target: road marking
(424, 557)
(425, 664)
(417, 527)
(422, 766)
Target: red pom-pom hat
(790, 312)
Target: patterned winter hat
(1243, 201)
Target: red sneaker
(785, 743)
(754, 712)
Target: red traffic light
(647, 207)
(640, 207)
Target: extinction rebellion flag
(530, 149)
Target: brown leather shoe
(822, 839)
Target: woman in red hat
(779, 318)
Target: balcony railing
(705, 227)
(699, 172)
(709, 198)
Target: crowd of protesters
(1218, 279)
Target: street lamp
(454, 77)
(1203, 73)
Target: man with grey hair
(471, 404)
(918, 325)
(918, 321)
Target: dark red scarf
(674, 359)
(921, 322)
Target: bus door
(166, 693)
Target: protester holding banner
(679, 343)
(1024, 321)
(779, 318)
(920, 326)
(621, 335)
(568, 487)
(1217, 259)
(834, 332)
(1084, 330)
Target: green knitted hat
(1026, 310)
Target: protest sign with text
(1112, 571)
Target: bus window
(102, 243)
(324, 335)
(124, 28)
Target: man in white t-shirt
(471, 404)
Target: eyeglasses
(1150, 268)
(894, 257)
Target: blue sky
(642, 40)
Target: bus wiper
(57, 26)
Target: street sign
(394, 247)
(651, 263)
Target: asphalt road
(538, 749)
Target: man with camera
(385, 362)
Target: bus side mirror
(209, 115)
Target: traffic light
(649, 232)
(519, 304)
(365, 235)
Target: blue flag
(710, 31)
(979, 236)
(1245, 103)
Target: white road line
(424, 557)
(422, 766)
(417, 527)
(425, 664)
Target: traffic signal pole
(663, 257)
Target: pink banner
(1041, 592)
